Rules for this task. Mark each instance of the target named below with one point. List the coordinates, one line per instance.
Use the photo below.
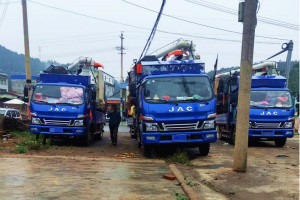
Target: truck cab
(64, 105)
(175, 105)
(271, 115)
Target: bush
(29, 142)
(20, 148)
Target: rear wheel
(232, 137)
(204, 149)
(280, 142)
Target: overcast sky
(65, 36)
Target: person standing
(114, 122)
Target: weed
(192, 183)
(20, 148)
(180, 197)
(20, 134)
(180, 158)
(29, 142)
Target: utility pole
(26, 44)
(122, 80)
(122, 48)
(242, 124)
(288, 61)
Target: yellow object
(155, 97)
(132, 111)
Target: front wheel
(147, 150)
(87, 139)
(204, 149)
(280, 142)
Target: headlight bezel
(288, 125)
(35, 120)
(79, 122)
(151, 127)
(209, 125)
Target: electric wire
(235, 12)
(4, 13)
(148, 43)
(204, 25)
(138, 27)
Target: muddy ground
(272, 173)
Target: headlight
(209, 124)
(151, 127)
(78, 123)
(288, 125)
(35, 120)
(250, 125)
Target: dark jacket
(114, 118)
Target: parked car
(11, 113)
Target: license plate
(179, 137)
(267, 133)
(56, 130)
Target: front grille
(266, 125)
(180, 127)
(57, 122)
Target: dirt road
(103, 171)
(48, 178)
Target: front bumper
(271, 133)
(57, 130)
(208, 136)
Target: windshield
(177, 89)
(270, 99)
(56, 94)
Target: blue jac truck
(271, 109)
(174, 104)
(65, 105)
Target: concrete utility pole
(242, 125)
(122, 48)
(288, 61)
(26, 44)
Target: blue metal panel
(268, 81)
(174, 66)
(65, 78)
(22, 77)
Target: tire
(280, 142)
(204, 149)
(147, 150)
(87, 139)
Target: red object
(38, 96)
(169, 176)
(91, 115)
(139, 68)
(176, 53)
(283, 99)
(112, 101)
(98, 65)
(166, 97)
(263, 103)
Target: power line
(138, 27)
(4, 13)
(148, 43)
(204, 25)
(11, 2)
(235, 12)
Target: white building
(3, 83)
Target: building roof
(14, 101)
